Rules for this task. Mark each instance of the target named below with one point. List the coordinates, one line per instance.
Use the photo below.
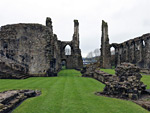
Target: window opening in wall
(138, 47)
(67, 50)
(143, 42)
(112, 50)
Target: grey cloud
(126, 18)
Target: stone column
(116, 56)
(147, 53)
(141, 49)
(105, 47)
(77, 58)
(76, 33)
(49, 23)
(133, 52)
(127, 52)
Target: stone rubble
(125, 84)
(9, 100)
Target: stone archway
(112, 58)
(63, 64)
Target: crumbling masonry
(34, 49)
(126, 83)
(136, 51)
(105, 47)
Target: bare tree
(90, 55)
(97, 52)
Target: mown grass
(68, 93)
(146, 80)
(110, 71)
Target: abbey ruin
(135, 51)
(34, 50)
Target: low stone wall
(11, 99)
(145, 71)
(125, 84)
(99, 75)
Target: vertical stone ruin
(76, 33)
(77, 52)
(105, 47)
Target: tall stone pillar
(105, 47)
(140, 49)
(77, 60)
(127, 52)
(48, 22)
(76, 33)
(147, 53)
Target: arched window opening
(143, 43)
(112, 50)
(67, 50)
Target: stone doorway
(63, 64)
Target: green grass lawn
(68, 93)
(110, 71)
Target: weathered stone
(105, 47)
(125, 84)
(128, 81)
(33, 50)
(11, 99)
(135, 51)
(73, 61)
(1, 106)
(12, 70)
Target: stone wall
(135, 51)
(125, 84)
(36, 47)
(73, 61)
(28, 44)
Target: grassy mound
(68, 93)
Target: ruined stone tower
(105, 47)
(76, 34)
(75, 59)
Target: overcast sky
(126, 18)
